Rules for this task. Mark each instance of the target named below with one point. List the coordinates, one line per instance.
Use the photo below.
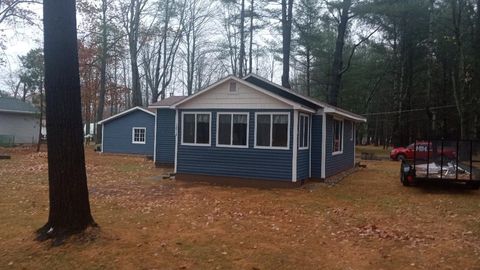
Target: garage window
(138, 135)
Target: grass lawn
(368, 221)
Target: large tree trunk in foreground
(67, 178)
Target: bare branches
(352, 52)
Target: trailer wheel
(404, 180)
(403, 176)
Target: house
(251, 128)
(19, 122)
(129, 132)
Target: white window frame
(271, 131)
(133, 135)
(342, 136)
(195, 133)
(308, 131)
(231, 129)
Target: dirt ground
(367, 221)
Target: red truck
(423, 149)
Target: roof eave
(355, 118)
(123, 113)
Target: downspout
(176, 138)
(324, 143)
(155, 140)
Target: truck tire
(401, 157)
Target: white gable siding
(244, 98)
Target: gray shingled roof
(9, 104)
(168, 101)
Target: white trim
(231, 145)
(310, 149)
(271, 131)
(342, 136)
(125, 112)
(155, 139)
(295, 105)
(324, 145)
(309, 128)
(15, 111)
(102, 139)
(195, 134)
(159, 106)
(144, 138)
(295, 146)
(327, 108)
(176, 140)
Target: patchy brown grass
(368, 221)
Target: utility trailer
(430, 163)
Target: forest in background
(412, 67)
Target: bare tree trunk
(242, 40)
(103, 74)
(24, 96)
(287, 17)
(308, 67)
(458, 76)
(250, 51)
(430, 64)
(337, 66)
(69, 202)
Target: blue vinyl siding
(165, 137)
(117, 134)
(303, 163)
(269, 164)
(341, 162)
(317, 146)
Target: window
(337, 136)
(138, 135)
(303, 131)
(272, 130)
(232, 129)
(196, 128)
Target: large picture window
(232, 129)
(303, 131)
(138, 135)
(196, 128)
(272, 130)
(337, 136)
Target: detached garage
(129, 132)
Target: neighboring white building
(18, 121)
